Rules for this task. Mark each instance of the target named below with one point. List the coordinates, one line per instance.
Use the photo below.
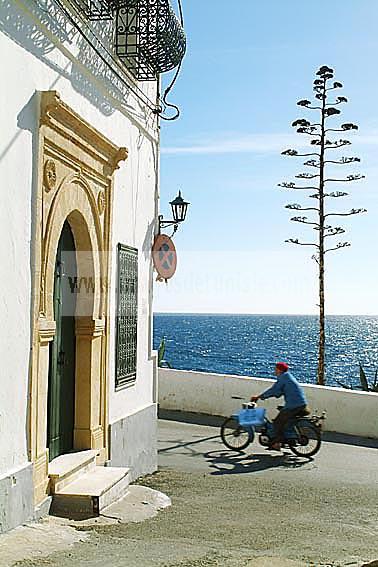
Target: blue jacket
(288, 387)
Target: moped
(302, 433)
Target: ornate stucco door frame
(75, 166)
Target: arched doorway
(74, 185)
(61, 384)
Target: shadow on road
(182, 447)
(368, 442)
(223, 461)
(228, 462)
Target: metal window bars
(126, 316)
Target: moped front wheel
(308, 439)
(234, 435)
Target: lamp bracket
(164, 223)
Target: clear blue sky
(247, 64)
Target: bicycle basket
(252, 416)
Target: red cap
(282, 366)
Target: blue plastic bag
(252, 417)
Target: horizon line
(264, 314)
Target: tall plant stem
(318, 217)
(321, 355)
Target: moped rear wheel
(308, 439)
(234, 435)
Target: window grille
(126, 315)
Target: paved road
(256, 509)
(342, 459)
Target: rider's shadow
(232, 462)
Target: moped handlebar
(246, 403)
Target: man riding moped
(295, 401)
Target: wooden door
(61, 390)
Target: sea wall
(350, 412)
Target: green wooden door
(61, 390)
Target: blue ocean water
(250, 344)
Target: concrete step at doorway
(66, 468)
(88, 494)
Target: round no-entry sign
(164, 256)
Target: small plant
(365, 386)
(162, 363)
(364, 382)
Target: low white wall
(354, 413)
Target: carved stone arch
(74, 202)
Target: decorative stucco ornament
(49, 174)
(101, 202)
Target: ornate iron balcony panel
(149, 39)
(95, 9)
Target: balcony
(149, 38)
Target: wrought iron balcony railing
(95, 9)
(148, 37)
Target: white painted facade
(349, 412)
(41, 51)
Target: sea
(249, 345)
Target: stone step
(67, 468)
(91, 492)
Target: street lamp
(179, 210)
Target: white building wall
(134, 225)
(33, 59)
(15, 280)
